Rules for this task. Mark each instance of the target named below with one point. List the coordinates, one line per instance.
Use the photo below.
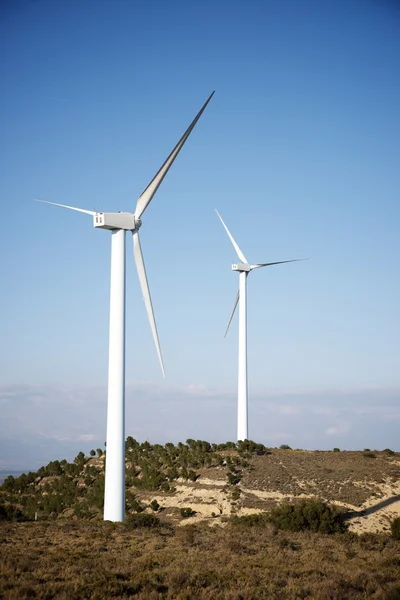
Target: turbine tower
(243, 268)
(118, 223)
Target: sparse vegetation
(69, 559)
(343, 477)
(71, 553)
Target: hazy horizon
(40, 423)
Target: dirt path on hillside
(212, 500)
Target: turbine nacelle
(241, 267)
(118, 220)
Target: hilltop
(215, 482)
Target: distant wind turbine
(118, 223)
(244, 269)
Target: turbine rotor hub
(137, 223)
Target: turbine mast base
(114, 493)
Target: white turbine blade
(141, 269)
(82, 210)
(147, 195)
(280, 262)
(233, 312)
(238, 250)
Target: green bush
(234, 478)
(154, 505)
(172, 473)
(135, 505)
(192, 476)
(250, 447)
(368, 454)
(142, 520)
(235, 494)
(9, 484)
(312, 515)
(256, 520)
(389, 451)
(395, 528)
(336, 449)
(10, 513)
(284, 447)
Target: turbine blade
(232, 313)
(82, 210)
(280, 262)
(141, 269)
(147, 194)
(238, 250)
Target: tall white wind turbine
(118, 223)
(243, 269)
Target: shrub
(234, 478)
(95, 493)
(192, 475)
(187, 512)
(312, 515)
(235, 493)
(10, 513)
(154, 505)
(142, 520)
(136, 506)
(368, 454)
(256, 520)
(389, 451)
(9, 484)
(249, 446)
(79, 459)
(172, 473)
(336, 449)
(395, 528)
(284, 447)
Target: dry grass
(348, 477)
(84, 560)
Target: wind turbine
(243, 268)
(118, 223)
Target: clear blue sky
(299, 150)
